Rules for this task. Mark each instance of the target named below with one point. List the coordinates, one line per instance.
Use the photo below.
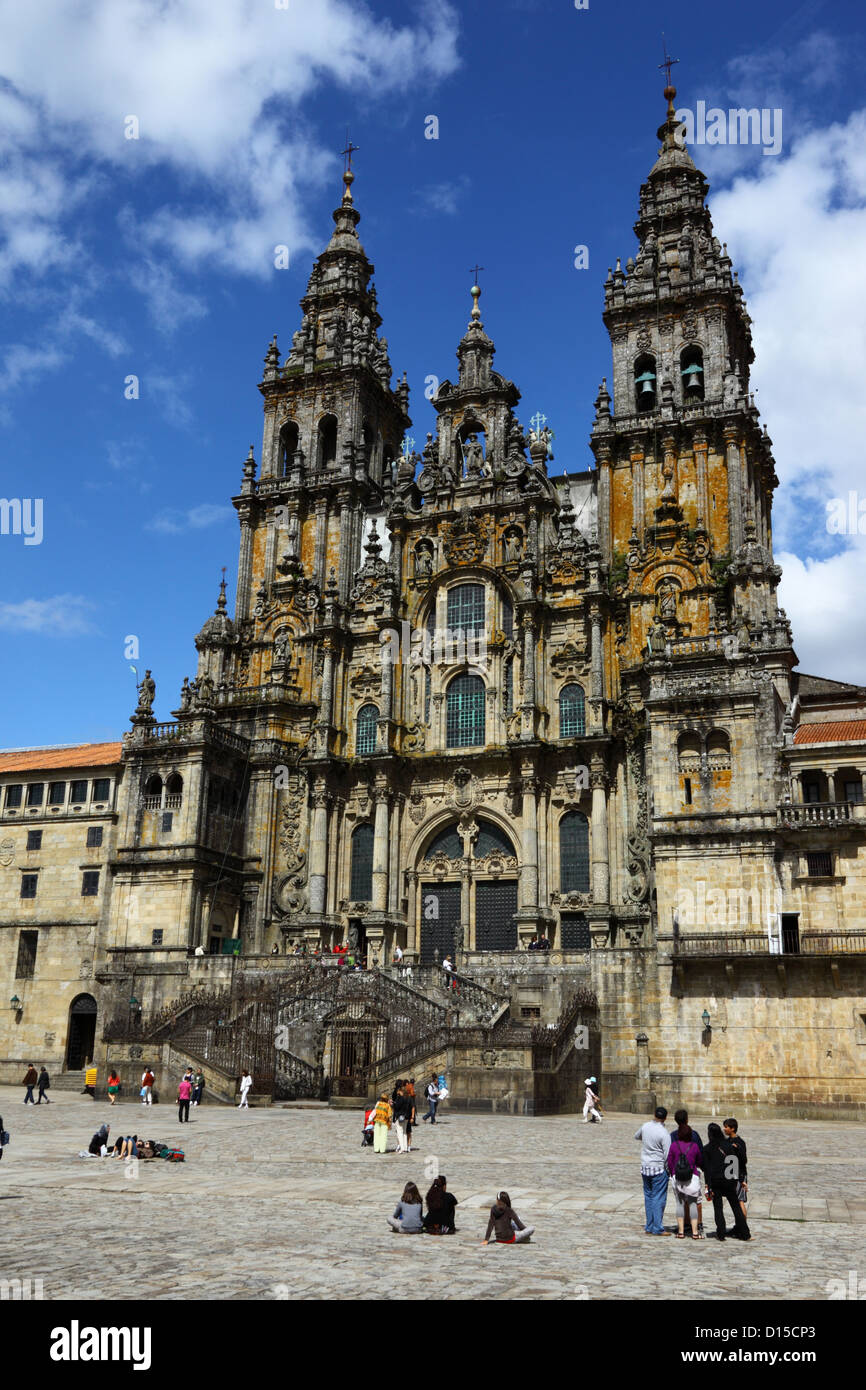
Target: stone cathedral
(548, 728)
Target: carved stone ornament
(365, 680)
(289, 896)
(567, 902)
(644, 340)
(353, 909)
(417, 805)
(464, 790)
(414, 739)
(7, 852)
(440, 866)
(466, 539)
(495, 863)
(567, 659)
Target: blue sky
(155, 257)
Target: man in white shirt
(655, 1142)
(246, 1083)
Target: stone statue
(204, 690)
(423, 562)
(146, 694)
(185, 695)
(656, 639)
(353, 940)
(667, 600)
(473, 456)
(281, 649)
(513, 545)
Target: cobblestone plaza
(279, 1203)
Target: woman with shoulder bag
(683, 1162)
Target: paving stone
(272, 1200)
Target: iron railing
(803, 943)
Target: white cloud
(442, 197)
(63, 615)
(796, 229)
(217, 91)
(173, 522)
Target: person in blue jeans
(432, 1094)
(655, 1143)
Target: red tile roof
(834, 731)
(70, 755)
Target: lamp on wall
(16, 1004)
(705, 1019)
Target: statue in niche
(513, 545)
(656, 639)
(667, 601)
(281, 649)
(473, 457)
(423, 562)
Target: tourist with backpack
(683, 1163)
(655, 1144)
(681, 1117)
(147, 1080)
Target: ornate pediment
(496, 863)
(569, 902)
(365, 680)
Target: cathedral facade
(549, 728)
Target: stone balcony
(726, 945)
(804, 815)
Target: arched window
(572, 712)
(361, 877)
(692, 373)
(174, 791)
(490, 838)
(507, 619)
(645, 382)
(718, 750)
(365, 730)
(153, 792)
(327, 455)
(465, 712)
(574, 853)
(288, 446)
(466, 609)
(689, 754)
(447, 842)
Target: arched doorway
(81, 1035)
(468, 905)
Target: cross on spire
(668, 61)
(474, 272)
(347, 153)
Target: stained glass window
(447, 842)
(465, 716)
(572, 718)
(491, 838)
(361, 878)
(574, 853)
(365, 730)
(466, 605)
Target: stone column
(327, 701)
(321, 542)
(380, 850)
(394, 869)
(735, 496)
(700, 448)
(597, 653)
(245, 566)
(319, 848)
(529, 844)
(466, 932)
(600, 858)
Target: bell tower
(332, 432)
(686, 475)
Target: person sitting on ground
(99, 1143)
(445, 1205)
(683, 1162)
(508, 1226)
(407, 1213)
(128, 1147)
(437, 1210)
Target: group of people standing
(189, 1091)
(682, 1156)
(400, 1111)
